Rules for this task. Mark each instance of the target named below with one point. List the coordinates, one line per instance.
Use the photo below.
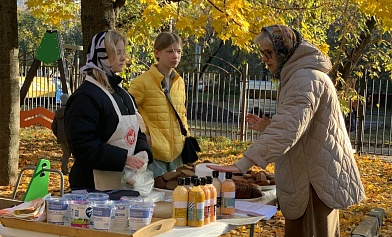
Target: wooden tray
(155, 228)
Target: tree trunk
(98, 16)
(9, 97)
(355, 54)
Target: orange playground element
(36, 116)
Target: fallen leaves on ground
(38, 142)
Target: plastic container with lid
(121, 216)
(56, 210)
(103, 215)
(140, 214)
(95, 196)
(80, 213)
(72, 197)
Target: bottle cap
(215, 174)
(180, 181)
(187, 180)
(229, 175)
(209, 180)
(196, 182)
(193, 178)
(203, 181)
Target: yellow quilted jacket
(161, 122)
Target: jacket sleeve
(142, 145)
(294, 115)
(83, 117)
(136, 89)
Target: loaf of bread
(160, 182)
(169, 179)
(247, 191)
(171, 185)
(171, 175)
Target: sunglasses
(266, 53)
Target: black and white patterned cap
(96, 56)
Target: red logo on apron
(130, 138)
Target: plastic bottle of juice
(213, 200)
(196, 199)
(207, 194)
(218, 186)
(180, 203)
(228, 195)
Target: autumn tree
(9, 97)
(98, 16)
(356, 34)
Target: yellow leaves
(53, 12)
(382, 9)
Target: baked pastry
(160, 183)
(247, 191)
(171, 185)
(171, 175)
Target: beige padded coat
(158, 115)
(307, 139)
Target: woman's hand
(134, 162)
(257, 123)
(227, 168)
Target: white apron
(125, 136)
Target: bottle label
(191, 210)
(199, 211)
(212, 201)
(207, 211)
(180, 213)
(180, 210)
(229, 199)
(180, 204)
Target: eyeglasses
(266, 53)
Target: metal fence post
(244, 96)
(360, 114)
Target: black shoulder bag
(191, 146)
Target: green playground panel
(39, 182)
(49, 49)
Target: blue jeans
(160, 167)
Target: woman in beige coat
(315, 171)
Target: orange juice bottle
(196, 199)
(218, 185)
(212, 199)
(228, 195)
(207, 194)
(180, 203)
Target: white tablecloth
(222, 225)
